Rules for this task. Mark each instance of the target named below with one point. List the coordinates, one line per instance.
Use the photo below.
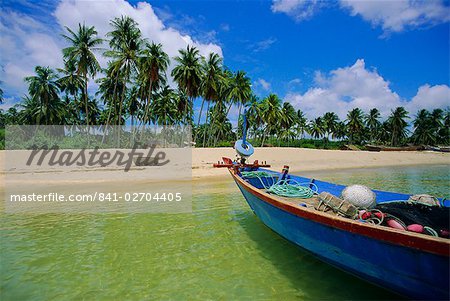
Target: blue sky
(321, 56)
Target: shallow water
(433, 180)
(220, 251)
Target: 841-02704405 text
(99, 197)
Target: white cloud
(396, 16)
(294, 83)
(263, 44)
(26, 42)
(265, 85)
(356, 86)
(99, 14)
(430, 97)
(8, 102)
(392, 16)
(298, 9)
(225, 27)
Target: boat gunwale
(430, 244)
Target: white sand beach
(298, 159)
(301, 159)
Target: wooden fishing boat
(382, 148)
(442, 149)
(411, 264)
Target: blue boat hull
(404, 270)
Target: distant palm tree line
(272, 118)
(134, 87)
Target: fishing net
(437, 218)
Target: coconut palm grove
(135, 90)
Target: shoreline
(303, 160)
(299, 160)
(300, 172)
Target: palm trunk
(229, 108)
(185, 119)
(164, 129)
(211, 128)
(239, 115)
(86, 100)
(185, 112)
(110, 109)
(206, 121)
(199, 117)
(46, 109)
(264, 138)
(87, 108)
(147, 105)
(119, 122)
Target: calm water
(220, 251)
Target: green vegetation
(134, 87)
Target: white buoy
(360, 196)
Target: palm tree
(125, 42)
(31, 111)
(1, 94)
(271, 113)
(287, 121)
(316, 128)
(301, 125)
(212, 75)
(220, 126)
(13, 116)
(44, 102)
(289, 116)
(240, 90)
(153, 66)
(188, 75)
(71, 82)
(423, 129)
(164, 109)
(340, 131)
(398, 125)
(109, 88)
(330, 120)
(436, 118)
(254, 114)
(223, 96)
(184, 107)
(444, 131)
(373, 123)
(132, 103)
(355, 125)
(385, 134)
(81, 53)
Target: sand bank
(298, 160)
(301, 159)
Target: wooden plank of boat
(350, 147)
(444, 149)
(378, 148)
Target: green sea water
(221, 251)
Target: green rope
(256, 174)
(287, 188)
